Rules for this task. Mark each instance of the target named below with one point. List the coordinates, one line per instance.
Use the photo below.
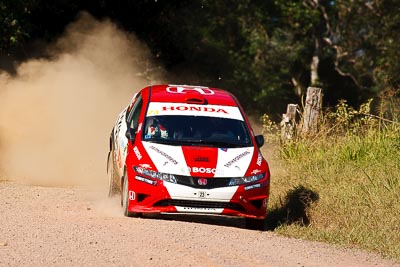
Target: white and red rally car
(188, 149)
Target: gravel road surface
(49, 226)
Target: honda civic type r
(188, 150)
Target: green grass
(354, 171)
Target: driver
(156, 129)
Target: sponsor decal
(162, 153)
(194, 108)
(223, 149)
(199, 209)
(265, 202)
(185, 89)
(145, 166)
(125, 149)
(152, 112)
(131, 195)
(137, 153)
(252, 186)
(184, 109)
(259, 159)
(237, 158)
(205, 170)
(118, 126)
(123, 143)
(201, 159)
(148, 181)
(202, 181)
(255, 171)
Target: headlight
(246, 180)
(156, 175)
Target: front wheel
(125, 199)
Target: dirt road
(45, 226)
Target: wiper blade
(175, 142)
(217, 143)
(160, 141)
(226, 144)
(198, 142)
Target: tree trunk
(314, 64)
(312, 111)
(288, 123)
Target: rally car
(188, 150)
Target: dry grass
(353, 167)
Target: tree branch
(339, 52)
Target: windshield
(196, 130)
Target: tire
(256, 224)
(113, 181)
(125, 198)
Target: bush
(353, 165)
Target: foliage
(260, 50)
(13, 16)
(352, 164)
(269, 129)
(369, 40)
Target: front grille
(199, 204)
(193, 182)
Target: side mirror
(130, 134)
(259, 140)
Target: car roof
(190, 94)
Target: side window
(133, 116)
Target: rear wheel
(256, 224)
(113, 184)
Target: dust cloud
(57, 113)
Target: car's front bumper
(248, 200)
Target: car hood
(199, 160)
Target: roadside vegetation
(345, 181)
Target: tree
(362, 38)
(266, 52)
(15, 28)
